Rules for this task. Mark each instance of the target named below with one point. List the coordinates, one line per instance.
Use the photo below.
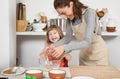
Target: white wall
(35, 7)
(12, 32)
(34, 44)
(29, 48)
(7, 42)
(4, 34)
(113, 43)
(112, 5)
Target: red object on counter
(64, 63)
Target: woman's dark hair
(77, 6)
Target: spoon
(14, 69)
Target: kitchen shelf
(110, 33)
(31, 33)
(44, 33)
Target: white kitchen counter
(45, 74)
(110, 72)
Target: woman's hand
(58, 51)
(42, 56)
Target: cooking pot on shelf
(59, 22)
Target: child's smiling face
(53, 36)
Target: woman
(83, 22)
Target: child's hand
(49, 50)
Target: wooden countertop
(98, 72)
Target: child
(54, 34)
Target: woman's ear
(71, 3)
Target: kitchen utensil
(59, 22)
(8, 71)
(111, 29)
(15, 68)
(44, 19)
(38, 26)
(111, 25)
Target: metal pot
(59, 22)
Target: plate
(83, 77)
(19, 71)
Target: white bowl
(38, 26)
(82, 77)
(7, 71)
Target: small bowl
(34, 73)
(57, 74)
(111, 29)
(38, 26)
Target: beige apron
(96, 53)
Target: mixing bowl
(57, 74)
(34, 73)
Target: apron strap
(96, 21)
(97, 25)
(84, 10)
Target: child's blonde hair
(53, 27)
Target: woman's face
(66, 12)
(53, 36)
